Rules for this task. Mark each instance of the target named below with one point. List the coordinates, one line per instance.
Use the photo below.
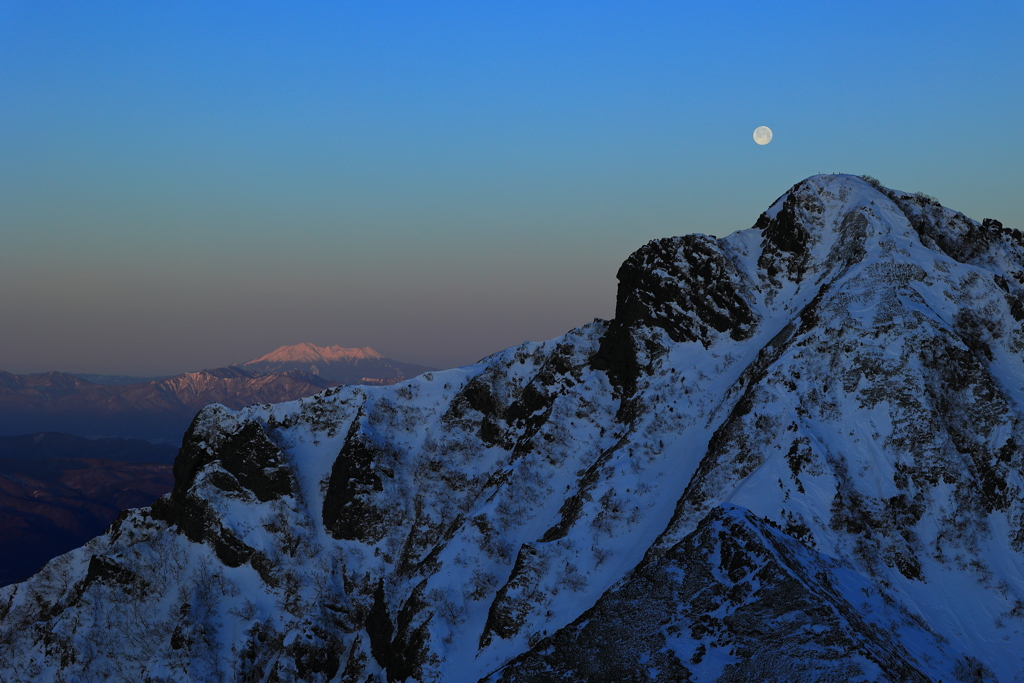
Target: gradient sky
(187, 185)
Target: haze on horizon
(188, 186)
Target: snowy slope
(794, 454)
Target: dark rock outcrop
(776, 463)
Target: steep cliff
(794, 454)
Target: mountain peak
(334, 363)
(785, 451)
(307, 352)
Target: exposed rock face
(793, 455)
(783, 611)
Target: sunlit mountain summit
(307, 352)
(335, 364)
(793, 454)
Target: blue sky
(186, 185)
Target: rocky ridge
(794, 454)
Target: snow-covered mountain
(795, 454)
(335, 364)
(162, 409)
(311, 353)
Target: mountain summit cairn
(795, 454)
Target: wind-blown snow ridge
(794, 454)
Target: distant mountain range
(117, 379)
(160, 410)
(796, 453)
(57, 491)
(335, 364)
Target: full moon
(762, 135)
